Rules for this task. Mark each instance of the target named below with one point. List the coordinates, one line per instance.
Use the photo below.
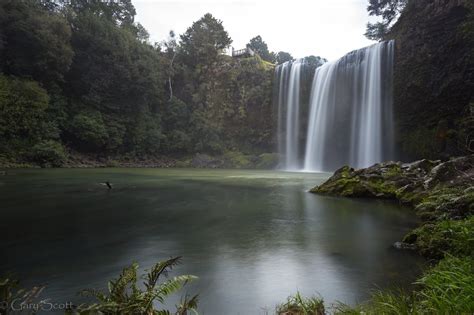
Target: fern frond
(187, 305)
(161, 268)
(99, 295)
(118, 288)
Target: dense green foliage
(260, 47)
(126, 296)
(453, 237)
(388, 10)
(81, 77)
(445, 289)
(442, 195)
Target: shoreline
(230, 160)
(442, 195)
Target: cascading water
(351, 110)
(350, 119)
(288, 76)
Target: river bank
(442, 195)
(229, 159)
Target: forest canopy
(82, 76)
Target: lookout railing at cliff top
(242, 52)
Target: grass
(448, 288)
(298, 305)
(451, 237)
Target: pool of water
(252, 237)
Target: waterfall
(350, 111)
(288, 77)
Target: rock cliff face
(434, 79)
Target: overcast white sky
(326, 28)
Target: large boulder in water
(420, 184)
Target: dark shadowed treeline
(82, 77)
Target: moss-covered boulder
(442, 194)
(384, 180)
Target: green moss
(267, 160)
(436, 239)
(439, 192)
(344, 187)
(347, 184)
(445, 203)
(393, 170)
(235, 159)
(447, 288)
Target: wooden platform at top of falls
(246, 52)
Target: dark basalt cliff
(434, 79)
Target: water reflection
(252, 237)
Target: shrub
(48, 153)
(234, 159)
(126, 297)
(22, 109)
(89, 128)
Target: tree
(120, 12)
(22, 110)
(83, 73)
(389, 10)
(48, 153)
(260, 47)
(141, 32)
(170, 47)
(314, 61)
(38, 42)
(282, 57)
(376, 31)
(89, 129)
(204, 41)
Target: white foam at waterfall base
(350, 112)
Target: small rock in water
(401, 245)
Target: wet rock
(440, 193)
(403, 246)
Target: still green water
(252, 237)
